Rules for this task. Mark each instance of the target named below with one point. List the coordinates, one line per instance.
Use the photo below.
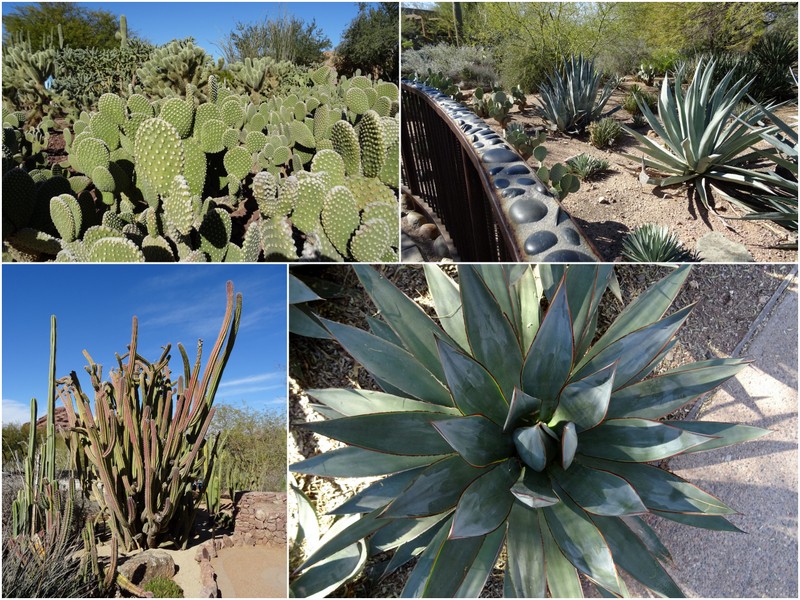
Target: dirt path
(188, 574)
(251, 572)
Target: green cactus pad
(19, 191)
(233, 254)
(113, 107)
(356, 100)
(390, 171)
(178, 113)
(255, 142)
(195, 166)
(211, 133)
(323, 75)
(324, 145)
(105, 129)
(159, 154)
(117, 250)
(215, 233)
(251, 245)
(288, 193)
(34, 242)
(340, 217)
(383, 106)
(281, 156)
(360, 81)
(265, 187)
(368, 189)
(302, 134)
(233, 114)
(90, 153)
(113, 221)
(345, 142)
(257, 122)
(237, 162)
(372, 97)
(74, 252)
(322, 123)
(139, 104)
(330, 162)
(370, 138)
(388, 211)
(310, 198)
(371, 242)
(67, 217)
(157, 249)
(318, 247)
(388, 89)
(276, 240)
(132, 124)
(391, 132)
(178, 207)
(98, 232)
(230, 138)
(103, 179)
(205, 113)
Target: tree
(82, 27)
(284, 38)
(370, 42)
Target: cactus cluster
(495, 104)
(181, 177)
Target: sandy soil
(251, 572)
(188, 573)
(617, 202)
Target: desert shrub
(604, 132)
(631, 105)
(472, 66)
(585, 166)
(163, 588)
(284, 38)
(655, 243)
(370, 42)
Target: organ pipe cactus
(145, 441)
(513, 421)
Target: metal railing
(490, 201)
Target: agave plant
(569, 99)
(709, 147)
(585, 166)
(655, 243)
(505, 425)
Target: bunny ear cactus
(143, 439)
(503, 424)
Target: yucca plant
(710, 148)
(503, 424)
(655, 243)
(585, 166)
(604, 132)
(569, 99)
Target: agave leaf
(478, 440)
(724, 434)
(637, 440)
(636, 351)
(304, 322)
(473, 388)
(390, 363)
(551, 275)
(413, 548)
(585, 401)
(357, 462)
(632, 555)
(532, 446)
(499, 285)
(569, 444)
(435, 490)
(356, 530)
(490, 334)
(562, 577)
(660, 490)
(378, 494)
(415, 584)
(485, 504)
(581, 542)
(350, 403)
(447, 301)
(481, 568)
(585, 287)
(525, 564)
(530, 314)
(382, 330)
(648, 537)
(404, 433)
(400, 531)
(327, 575)
(660, 395)
(712, 522)
(598, 492)
(299, 292)
(417, 331)
(549, 360)
(521, 409)
(534, 489)
(307, 524)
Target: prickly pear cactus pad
(235, 165)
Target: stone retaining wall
(260, 518)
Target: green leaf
(569, 443)
(447, 300)
(358, 529)
(562, 577)
(496, 279)
(417, 331)
(400, 531)
(356, 462)
(390, 363)
(307, 524)
(581, 542)
(637, 440)
(435, 490)
(490, 335)
(304, 322)
(481, 568)
(532, 446)
(350, 403)
(405, 433)
(450, 568)
(712, 522)
(415, 584)
(599, 492)
(534, 489)
(382, 330)
(522, 409)
(648, 537)
(726, 434)
(530, 313)
(413, 548)
(478, 440)
(660, 490)
(525, 563)
(585, 287)
(378, 494)
(299, 292)
(549, 360)
(632, 555)
(660, 395)
(585, 401)
(329, 574)
(636, 351)
(473, 388)
(485, 504)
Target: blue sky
(209, 22)
(94, 306)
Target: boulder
(147, 565)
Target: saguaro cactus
(145, 442)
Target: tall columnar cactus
(144, 441)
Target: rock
(715, 247)
(207, 575)
(147, 565)
(261, 515)
(412, 254)
(414, 219)
(440, 247)
(603, 200)
(428, 231)
(211, 591)
(227, 541)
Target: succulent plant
(604, 132)
(503, 424)
(585, 166)
(655, 243)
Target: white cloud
(254, 379)
(15, 411)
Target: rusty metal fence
(471, 180)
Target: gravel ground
(728, 300)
